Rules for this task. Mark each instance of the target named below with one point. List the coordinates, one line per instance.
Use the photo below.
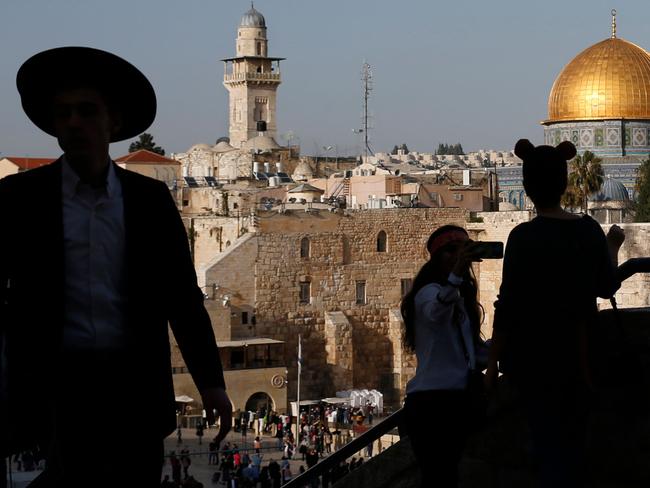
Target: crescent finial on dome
(613, 23)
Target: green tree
(442, 149)
(394, 151)
(145, 141)
(458, 149)
(585, 177)
(642, 205)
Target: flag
(299, 351)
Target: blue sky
(474, 72)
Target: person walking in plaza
(175, 464)
(442, 319)
(112, 254)
(554, 268)
(186, 462)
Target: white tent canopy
(184, 399)
(359, 398)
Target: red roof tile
(29, 163)
(143, 156)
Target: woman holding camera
(442, 319)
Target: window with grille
(304, 247)
(305, 292)
(407, 283)
(361, 292)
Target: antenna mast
(366, 78)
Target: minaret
(252, 79)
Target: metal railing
(324, 467)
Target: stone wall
(241, 384)
(342, 256)
(212, 236)
(233, 272)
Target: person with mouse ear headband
(554, 268)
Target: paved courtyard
(200, 469)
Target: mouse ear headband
(525, 150)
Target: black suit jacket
(161, 289)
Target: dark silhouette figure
(442, 319)
(85, 300)
(554, 268)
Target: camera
(488, 249)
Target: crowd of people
(323, 429)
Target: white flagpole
(298, 394)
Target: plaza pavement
(200, 468)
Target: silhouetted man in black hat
(94, 265)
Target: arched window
(381, 241)
(304, 247)
(259, 48)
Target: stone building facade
(337, 278)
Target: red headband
(446, 238)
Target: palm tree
(585, 177)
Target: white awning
(336, 400)
(253, 341)
(184, 399)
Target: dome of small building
(612, 191)
(200, 147)
(222, 146)
(302, 172)
(252, 18)
(261, 143)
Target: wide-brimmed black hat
(123, 86)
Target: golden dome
(609, 80)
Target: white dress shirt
(93, 234)
(441, 360)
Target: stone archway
(260, 400)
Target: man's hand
(615, 236)
(615, 239)
(217, 399)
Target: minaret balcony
(251, 76)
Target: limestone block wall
(404, 363)
(343, 255)
(268, 270)
(635, 292)
(234, 272)
(241, 385)
(339, 350)
(213, 236)
(496, 226)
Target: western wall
(347, 344)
